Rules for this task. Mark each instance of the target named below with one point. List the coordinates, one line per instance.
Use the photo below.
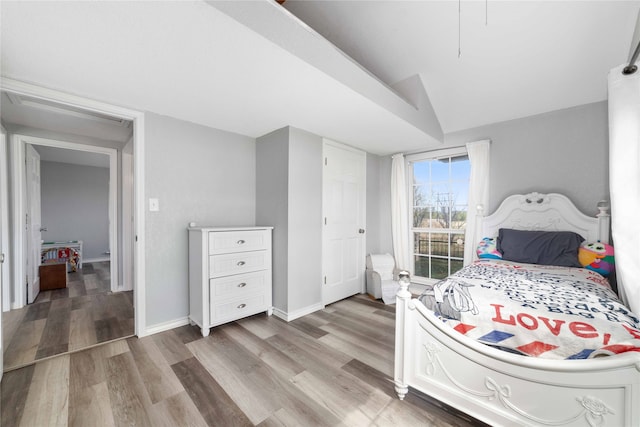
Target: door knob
(361, 231)
(43, 229)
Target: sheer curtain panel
(624, 181)
(400, 212)
(478, 152)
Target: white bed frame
(501, 388)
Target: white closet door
(344, 202)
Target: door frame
(18, 144)
(4, 220)
(137, 117)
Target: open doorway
(72, 230)
(109, 260)
(63, 217)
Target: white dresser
(229, 274)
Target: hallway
(81, 315)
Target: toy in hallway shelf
(54, 255)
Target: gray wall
(198, 174)
(272, 204)
(565, 151)
(289, 197)
(305, 219)
(75, 206)
(372, 235)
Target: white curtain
(400, 212)
(624, 181)
(478, 152)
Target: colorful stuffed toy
(597, 256)
(487, 248)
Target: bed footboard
(505, 389)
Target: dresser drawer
(243, 262)
(221, 242)
(237, 308)
(239, 285)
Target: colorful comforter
(542, 311)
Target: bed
(504, 388)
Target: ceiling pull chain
(459, 50)
(486, 22)
(486, 12)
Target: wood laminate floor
(330, 368)
(83, 314)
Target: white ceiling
(518, 58)
(252, 67)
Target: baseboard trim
(165, 326)
(288, 317)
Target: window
(439, 199)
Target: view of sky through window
(432, 178)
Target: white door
(344, 202)
(34, 234)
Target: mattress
(534, 310)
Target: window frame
(410, 160)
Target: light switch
(154, 205)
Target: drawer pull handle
(240, 242)
(242, 305)
(242, 285)
(240, 263)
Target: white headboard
(547, 212)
